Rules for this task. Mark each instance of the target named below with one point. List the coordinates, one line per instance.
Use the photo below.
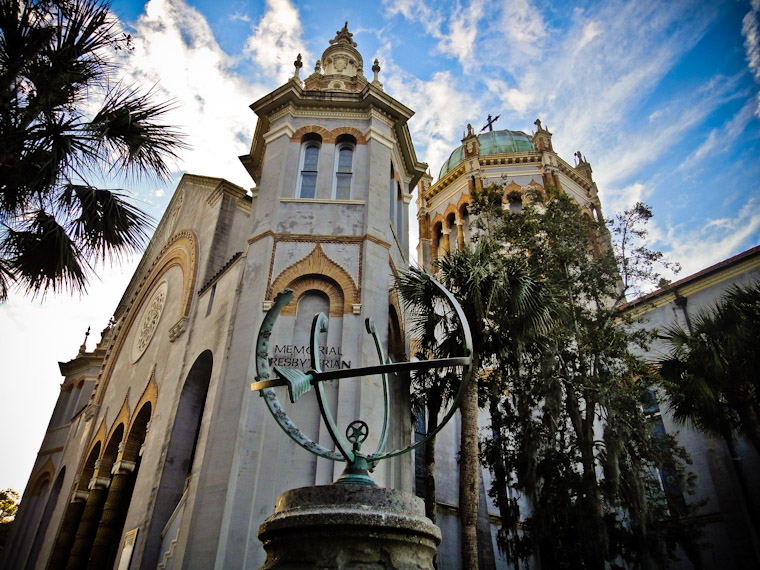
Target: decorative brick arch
(135, 433)
(320, 283)
(356, 133)
(122, 419)
(180, 251)
(464, 201)
(317, 265)
(450, 209)
(321, 131)
(42, 476)
(97, 444)
(149, 396)
(437, 219)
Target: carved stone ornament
(179, 327)
(148, 321)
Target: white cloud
(159, 193)
(462, 34)
(590, 31)
(524, 28)
(276, 40)
(618, 200)
(442, 111)
(175, 49)
(510, 97)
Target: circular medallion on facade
(148, 321)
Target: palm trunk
(434, 406)
(593, 533)
(468, 470)
(499, 470)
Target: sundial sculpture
(299, 383)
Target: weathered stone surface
(344, 526)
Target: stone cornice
(285, 129)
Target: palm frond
(128, 126)
(42, 256)
(106, 223)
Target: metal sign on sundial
(299, 383)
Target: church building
(511, 159)
(158, 455)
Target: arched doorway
(45, 520)
(180, 455)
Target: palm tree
(55, 58)
(712, 371)
(495, 293)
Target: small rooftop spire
(298, 65)
(83, 348)
(376, 70)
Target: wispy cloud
(751, 33)
(715, 240)
(276, 40)
(720, 140)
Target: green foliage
(711, 371)
(55, 63)
(582, 476)
(8, 506)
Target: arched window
(344, 159)
(399, 213)
(307, 185)
(392, 201)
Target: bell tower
(334, 167)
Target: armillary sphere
(299, 383)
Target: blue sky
(661, 97)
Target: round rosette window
(148, 321)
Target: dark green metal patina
(358, 464)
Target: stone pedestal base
(346, 526)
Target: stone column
(88, 525)
(109, 524)
(349, 526)
(69, 526)
(460, 234)
(445, 240)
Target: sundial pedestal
(349, 526)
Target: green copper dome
(494, 142)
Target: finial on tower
(298, 65)
(343, 36)
(83, 348)
(376, 71)
(318, 67)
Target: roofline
(750, 257)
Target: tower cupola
(341, 67)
